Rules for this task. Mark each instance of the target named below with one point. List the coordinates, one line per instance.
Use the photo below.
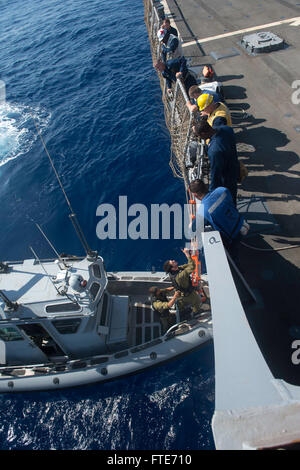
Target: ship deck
(259, 91)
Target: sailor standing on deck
(220, 212)
(171, 47)
(217, 113)
(181, 280)
(222, 155)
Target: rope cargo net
(177, 116)
(179, 119)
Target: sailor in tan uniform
(162, 305)
(181, 281)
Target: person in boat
(222, 156)
(171, 47)
(216, 113)
(162, 305)
(174, 69)
(167, 25)
(180, 277)
(220, 212)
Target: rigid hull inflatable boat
(66, 322)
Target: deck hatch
(263, 41)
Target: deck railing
(178, 117)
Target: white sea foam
(17, 130)
(11, 436)
(170, 396)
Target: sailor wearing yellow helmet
(217, 113)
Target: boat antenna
(60, 258)
(72, 214)
(47, 239)
(44, 269)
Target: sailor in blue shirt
(173, 69)
(222, 155)
(220, 212)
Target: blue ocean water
(83, 71)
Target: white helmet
(161, 34)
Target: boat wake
(17, 130)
